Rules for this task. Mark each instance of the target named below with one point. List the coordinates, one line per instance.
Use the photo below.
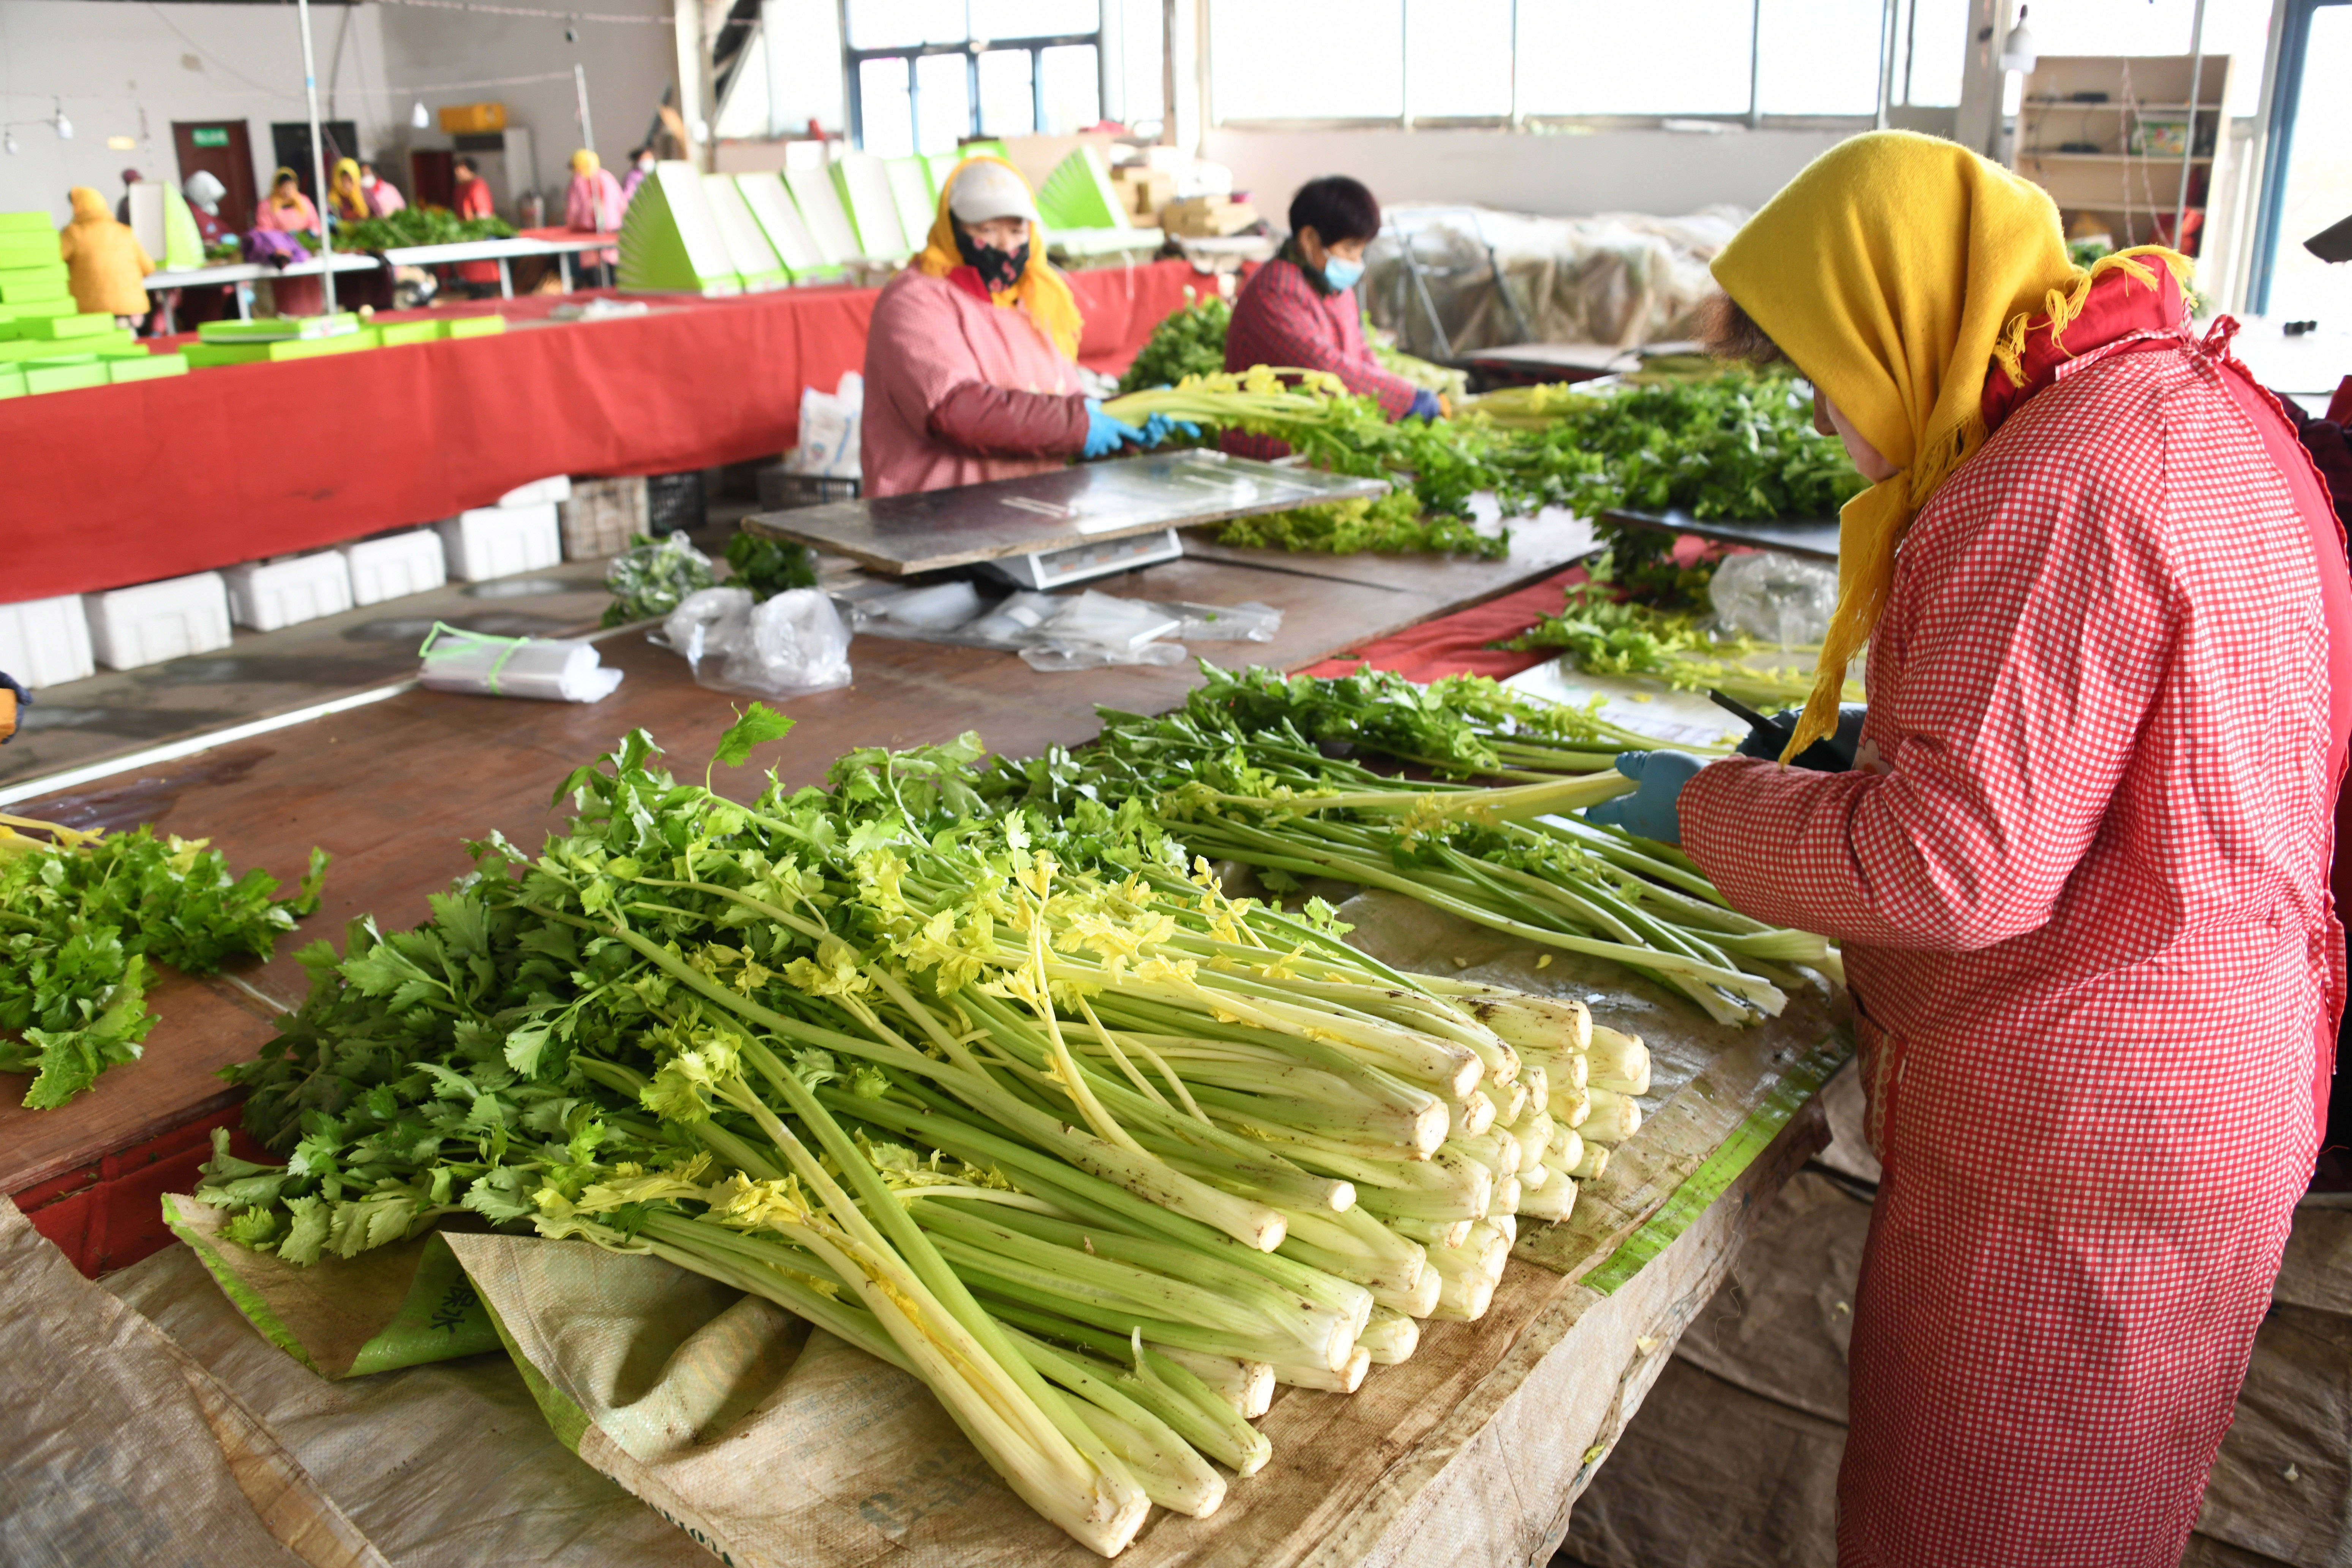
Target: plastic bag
(1775, 597)
(1251, 622)
(831, 424)
(909, 612)
(653, 576)
(546, 671)
(792, 644)
(1058, 659)
(1092, 619)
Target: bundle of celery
(81, 916)
(1014, 1100)
(1515, 859)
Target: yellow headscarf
(1895, 270)
(1040, 291)
(349, 200)
(583, 162)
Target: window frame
(853, 61)
(1896, 17)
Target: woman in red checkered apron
(2080, 866)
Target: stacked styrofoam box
(557, 489)
(601, 517)
(45, 642)
(395, 565)
(268, 595)
(155, 621)
(500, 541)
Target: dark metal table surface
(1813, 537)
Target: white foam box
(395, 566)
(549, 490)
(130, 628)
(45, 642)
(500, 541)
(268, 595)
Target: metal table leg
(506, 280)
(563, 265)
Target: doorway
(222, 149)
(290, 145)
(2307, 183)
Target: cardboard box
(473, 119)
(1205, 218)
(1143, 191)
(45, 642)
(601, 517)
(155, 621)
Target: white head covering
(205, 190)
(984, 191)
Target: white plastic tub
(268, 595)
(500, 541)
(395, 566)
(130, 628)
(45, 642)
(558, 488)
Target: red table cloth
(126, 484)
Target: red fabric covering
(155, 479)
(111, 1215)
(1456, 644)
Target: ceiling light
(419, 118)
(64, 126)
(2017, 51)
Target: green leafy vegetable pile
(652, 576)
(82, 921)
(418, 225)
(1187, 341)
(1393, 525)
(768, 566)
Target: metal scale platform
(1053, 530)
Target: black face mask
(998, 271)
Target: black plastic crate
(674, 501)
(782, 491)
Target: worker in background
(286, 208)
(2079, 864)
(1300, 312)
(593, 204)
(122, 203)
(474, 200)
(972, 358)
(381, 198)
(351, 201)
(204, 190)
(640, 168)
(104, 264)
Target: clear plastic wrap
(541, 670)
(792, 644)
(1774, 597)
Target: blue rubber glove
(1106, 435)
(1425, 405)
(1651, 811)
(1848, 737)
(1158, 426)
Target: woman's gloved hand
(1426, 404)
(1833, 754)
(1159, 427)
(1653, 810)
(1106, 435)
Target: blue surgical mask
(1342, 274)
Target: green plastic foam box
(26, 222)
(24, 311)
(64, 376)
(29, 250)
(818, 201)
(912, 193)
(771, 208)
(53, 327)
(203, 356)
(473, 326)
(864, 185)
(392, 334)
(12, 381)
(21, 285)
(754, 259)
(671, 239)
(146, 367)
(1078, 194)
(270, 329)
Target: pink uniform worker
(970, 370)
(474, 200)
(2080, 866)
(593, 202)
(1300, 312)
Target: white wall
(123, 71)
(109, 62)
(1662, 172)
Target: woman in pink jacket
(593, 204)
(971, 360)
(2079, 863)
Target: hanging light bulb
(8, 143)
(65, 126)
(2020, 51)
(419, 118)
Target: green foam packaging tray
(146, 367)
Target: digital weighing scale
(1052, 530)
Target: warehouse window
(1503, 60)
(927, 74)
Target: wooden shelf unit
(2123, 186)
